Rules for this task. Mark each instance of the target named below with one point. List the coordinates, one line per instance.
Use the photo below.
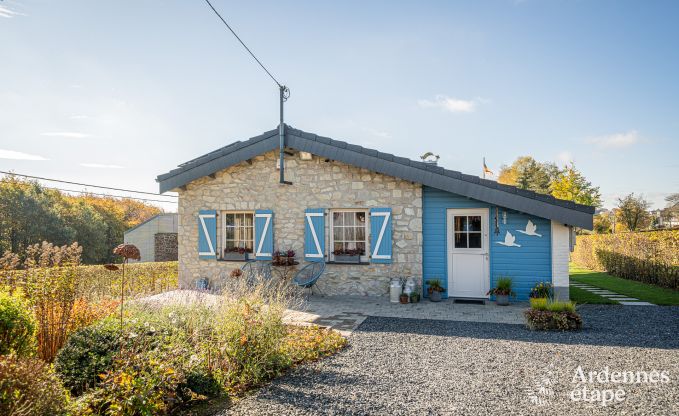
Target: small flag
(485, 168)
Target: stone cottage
(369, 215)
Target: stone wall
(165, 247)
(316, 184)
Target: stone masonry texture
(165, 247)
(317, 183)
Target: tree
(31, 213)
(570, 184)
(672, 208)
(633, 212)
(602, 223)
(527, 173)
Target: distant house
(662, 220)
(156, 238)
(371, 216)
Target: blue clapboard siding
(435, 204)
(526, 265)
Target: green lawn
(631, 288)
(581, 296)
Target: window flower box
(348, 256)
(236, 254)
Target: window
(468, 231)
(239, 231)
(349, 232)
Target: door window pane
(460, 240)
(474, 240)
(474, 223)
(460, 223)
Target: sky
(116, 93)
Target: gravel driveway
(410, 366)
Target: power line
(84, 184)
(111, 196)
(243, 43)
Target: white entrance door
(468, 262)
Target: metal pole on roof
(284, 94)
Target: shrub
(86, 313)
(646, 271)
(545, 314)
(17, 325)
(250, 337)
(650, 257)
(139, 384)
(88, 353)
(29, 387)
(95, 282)
(52, 287)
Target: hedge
(141, 279)
(649, 257)
(646, 271)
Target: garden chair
(308, 276)
(254, 269)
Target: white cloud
(67, 134)
(100, 166)
(11, 154)
(615, 141)
(78, 117)
(454, 105)
(5, 12)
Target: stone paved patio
(345, 313)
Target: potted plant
(502, 291)
(284, 258)
(404, 298)
(415, 296)
(435, 289)
(542, 290)
(348, 256)
(236, 253)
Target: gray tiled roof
(471, 186)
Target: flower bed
(547, 315)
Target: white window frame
(223, 215)
(331, 232)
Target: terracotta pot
(404, 299)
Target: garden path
(621, 299)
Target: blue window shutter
(263, 234)
(314, 234)
(380, 235)
(207, 234)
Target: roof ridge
(435, 176)
(449, 172)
